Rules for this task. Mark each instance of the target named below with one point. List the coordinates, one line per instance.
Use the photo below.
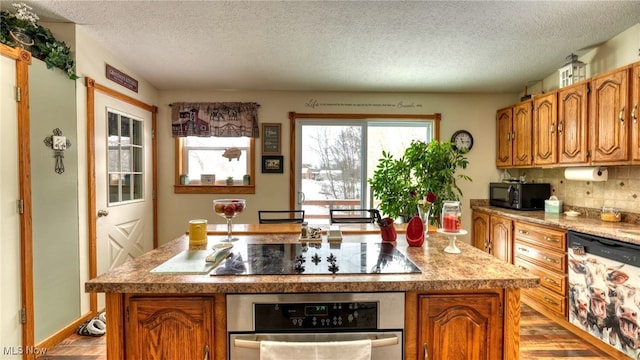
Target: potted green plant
(399, 184)
(42, 44)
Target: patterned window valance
(223, 119)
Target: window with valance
(221, 119)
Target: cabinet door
(501, 237)
(504, 134)
(480, 232)
(635, 113)
(609, 118)
(544, 129)
(573, 124)
(170, 328)
(460, 327)
(522, 134)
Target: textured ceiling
(390, 46)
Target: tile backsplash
(621, 190)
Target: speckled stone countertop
(590, 223)
(472, 269)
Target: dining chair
(280, 216)
(353, 216)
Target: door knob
(102, 213)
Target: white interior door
(123, 165)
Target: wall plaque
(271, 138)
(121, 78)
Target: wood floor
(540, 339)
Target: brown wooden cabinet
(169, 328)
(513, 136)
(635, 113)
(542, 251)
(460, 327)
(522, 119)
(493, 234)
(504, 134)
(501, 237)
(573, 144)
(480, 231)
(609, 118)
(545, 129)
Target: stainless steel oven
(316, 317)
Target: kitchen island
(185, 315)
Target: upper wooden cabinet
(635, 113)
(573, 124)
(609, 118)
(522, 114)
(504, 131)
(545, 129)
(513, 135)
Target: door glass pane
(331, 169)
(125, 160)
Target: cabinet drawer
(548, 299)
(541, 236)
(552, 260)
(549, 279)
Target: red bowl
(415, 231)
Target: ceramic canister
(198, 232)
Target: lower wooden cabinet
(493, 234)
(169, 328)
(542, 251)
(457, 327)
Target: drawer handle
(523, 232)
(551, 239)
(551, 281)
(523, 268)
(551, 260)
(550, 301)
(524, 250)
(621, 116)
(426, 351)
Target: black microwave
(518, 195)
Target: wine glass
(228, 209)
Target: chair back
(353, 216)
(280, 216)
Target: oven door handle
(253, 342)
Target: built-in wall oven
(604, 290)
(315, 317)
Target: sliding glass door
(335, 157)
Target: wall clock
(462, 140)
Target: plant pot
(229, 182)
(415, 232)
(21, 38)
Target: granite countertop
(471, 270)
(623, 231)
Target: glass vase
(425, 214)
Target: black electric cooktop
(315, 259)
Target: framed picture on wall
(273, 164)
(271, 138)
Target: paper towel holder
(587, 173)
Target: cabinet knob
(621, 116)
(206, 352)
(634, 116)
(426, 351)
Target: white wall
(473, 112)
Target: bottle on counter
(304, 230)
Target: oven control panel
(316, 316)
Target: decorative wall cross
(59, 144)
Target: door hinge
(126, 313)
(153, 133)
(20, 206)
(18, 94)
(23, 316)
